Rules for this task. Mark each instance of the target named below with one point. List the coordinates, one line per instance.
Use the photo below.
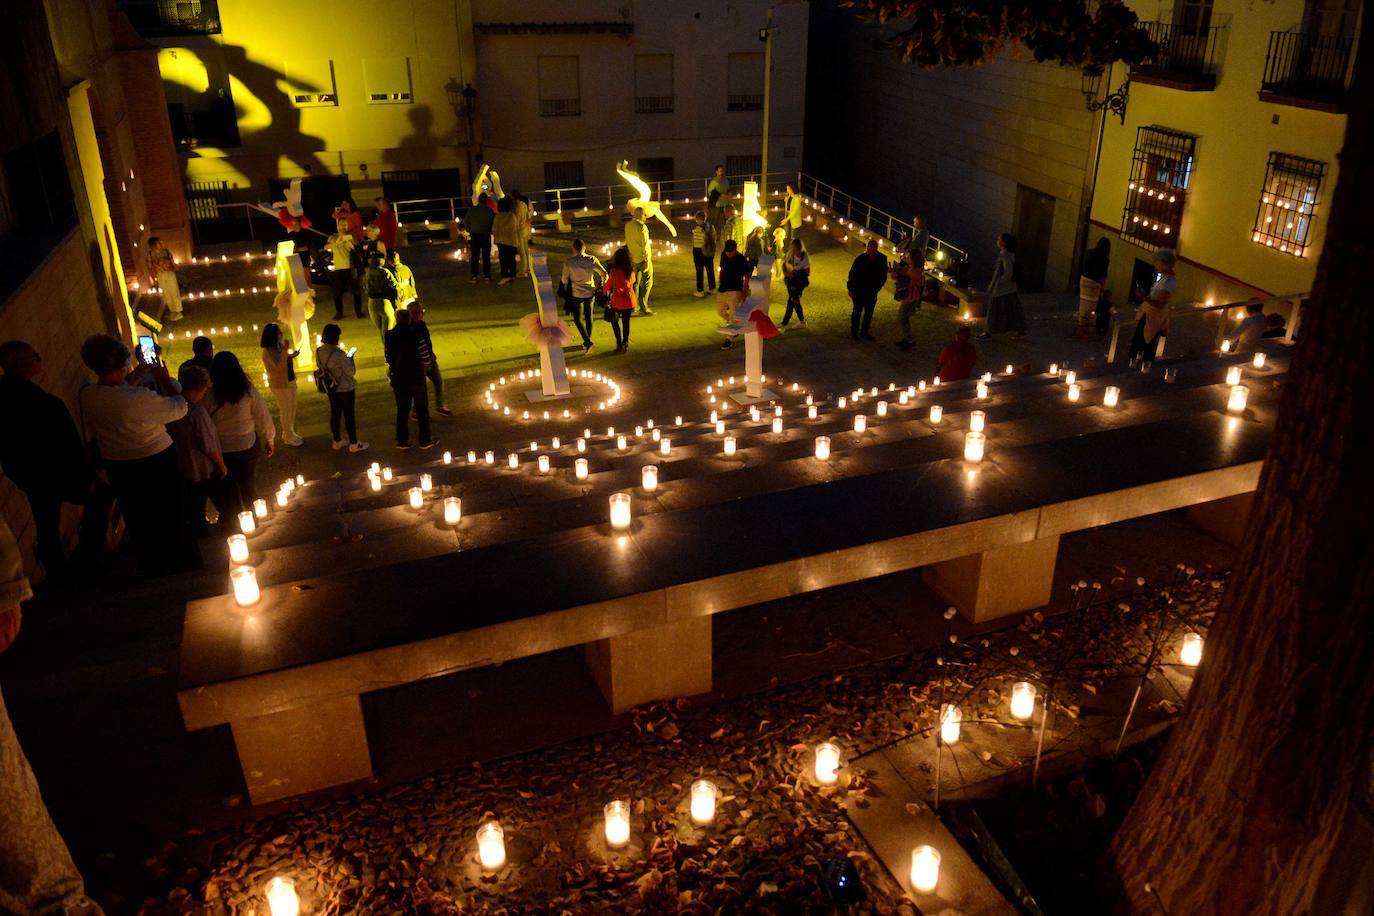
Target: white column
(553, 369)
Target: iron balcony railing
(653, 104)
(1305, 66)
(152, 18)
(744, 102)
(1187, 55)
(560, 108)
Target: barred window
(1161, 167)
(653, 83)
(560, 87)
(744, 82)
(1289, 196)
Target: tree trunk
(1245, 808)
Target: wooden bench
(288, 678)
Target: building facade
(1228, 150)
(414, 95)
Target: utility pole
(766, 36)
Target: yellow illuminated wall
(1236, 133)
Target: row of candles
(491, 403)
(703, 795)
(243, 577)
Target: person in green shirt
(717, 190)
(642, 256)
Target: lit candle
(617, 815)
(610, 432)
(534, 446)
(827, 763)
(386, 473)
(974, 445)
(777, 411)
(1191, 652)
(245, 582)
(1070, 377)
(260, 508)
(448, 457)
(925, 869)
(810, 400)
(300, 480)
(620, 511)
(489, 457)
(376, 484)
(472, 457)
(281, 897)
(556, 443)
(754, 414)
(1236, 403)
(491, 845)
(1054, 368)
(860, 423)
(1111, 396)
(703, 802)
(513, 460)
(936, 412)
(729, 445)
(842, 403)
(639, 431)
(666, 446)
(648, 477)
(777, 424)
(823, 448)
(882, 408)
(982, 391)
(282, 497)
(1074, 392)
(977, 421)
(720, 426)
(987, 377)
(951, 721)
(543, 464)
(581, 444)
(238, 548)
(453, 510)
(580, 468)
(1258, 361)
(1022, 700)
(656, 434)
(620, 443)
(1226, 346)
(426, 482)
(417, 497)
(1233, 375)
(811, 413)
(246, 522)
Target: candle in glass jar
(555, 443)
(260, 508)
(860, 423)
(1233, 375)
(777, 424)
(448, 457)
(300, 480)
(925, 869)
(238, 548)
(1226, 346)
(811, 412)
(823, 448)
(282, 496)
(617, 818)
(656, 434)
(620, 511)
(842, 403)
(951, 722)
(1054, 368)
(677, 419)
(977, 421)
(245, 582)
(543, 464)
(903, 397)
(754, 414)
(666, 446)
(513, 460)
(620, 443)
(1258, 361)
(648, 477)
(281, 897)
(881, 409)
(1111, 396)
(987, 377)
(703, 804)
(489, 457)
(974, 445)
(729, 445)
(1074, 392)
(982, 391)
(936, 412)
(1236, 403)
(376, 483)
(581, 444)
(1191, 652)
(417, 497)
(453, 510)
(1070, 377)
(580, 468)
(827, 763)
(426, 482)
(246, 522)
(491, 845)
(1023, 700)
(386, 473)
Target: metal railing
(674, 192)
(866, 218)
(1288, 306)
(240, 222)
(1184, 54)
(1304, 66)
(560, 108)
(653, 104)
(152, 18)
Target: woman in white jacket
(245, 432)
(279, 361)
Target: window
(1287, 200)
(560, 90)
(173, 17)
(745, 82)
(565, 185)
(387, 80)
(653, 83)
(1161, 168)
(311, 83)
(37, 207)
(657, 172)
(743, 168)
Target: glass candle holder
(1226, 346)
(754, 414)
(936, 413)
(729, 445)
(245, 582)
(1190, 653)
(982, 391)
(581, 444)
(620, 511)
(1054, 369)
(1111, 396)
(1070, 377)
(842, 403)
(951, 723)
(580, 468)
(1074, 392)
(386, 473)
(448, 457)
(665, 447)
(260, 508)
(375, 483)
(282, 497)
(881, 409)
(620, 443)
(426, 482)
(453, 510)
(974, 445)
(282, 899)
(543, 464)
(977, 421)
(1258, 361)
(489, 457)
(491, 845)
(247, 524)
(1233, 375)
(811, 412)
(300, 480)
(1023, 700)
(656, 434)
(513, 460)
(417, 498)
(238, 548)
(925, 869)
(1236, 402)
(720, 427)
(648, 477)
(777, 424)
(827, 763)
(987, 377)
(903, 397)
(555, 443)
(860, 423)
(703, 802)
(823, 448)
(617, 823)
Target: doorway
(1034, 221)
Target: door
(1187, 45)
(1034, 221)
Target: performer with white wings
(645, 199)
(637, 235)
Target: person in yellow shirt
(642, 256)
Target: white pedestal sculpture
(293, 281)
(553, 370)
(760, 289)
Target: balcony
(560, 108)
(653, 104)
(744, 102)
(1186, 59)
(1308, 71)
(158, 18)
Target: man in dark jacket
(406, 369)
(867, 275)
(478, 221)
(202, 354)
(733, 287)
(43, 455)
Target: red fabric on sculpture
(284, 216)
(763, 324)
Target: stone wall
(952, 144)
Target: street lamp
(1115, 102)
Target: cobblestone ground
(411, 848)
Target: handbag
(325, 383)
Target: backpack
(325, 383)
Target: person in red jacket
(958, 357)
(386, 223)
(347, 210)
(620, 284)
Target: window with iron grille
(743, 168)
(560, 88)
(1161, 168)
(653, 83)
(744, 82)
(1287, 201)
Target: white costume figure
(295, 299)
(546, 330)
(645, 199)
(750, 318)
(487, 182)
(753, 215)
(291, 208)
